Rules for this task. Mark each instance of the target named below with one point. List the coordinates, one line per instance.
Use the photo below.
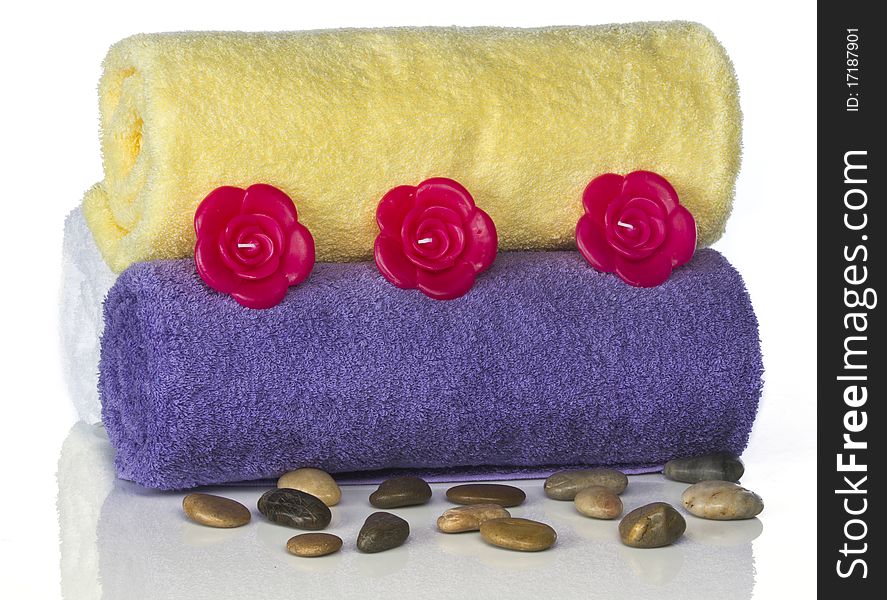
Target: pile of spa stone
(713, 495)
(303, 497)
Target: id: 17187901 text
(852, 70)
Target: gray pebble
(719, 465)
(295, 508)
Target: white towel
(86, 280)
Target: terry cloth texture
(86, 280)
(544, 362)
(524, 118)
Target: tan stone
(314, 544)
(564, 485)
(598, 502)
(215, 511)
(721, 501)
(469, 518)
(313, 481)
(518, 534)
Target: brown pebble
(486, 493)
(382, 531)
(314, 544)
(215, 511)
(598, 502)
(401, 491)
(518, 534)
(469, 518)
(651, 526)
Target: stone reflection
(121, 541)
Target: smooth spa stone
(721, 501)
(314, 544)
(295, 508)
(314, 481)
(215, 511)
(486, 493)
(401, 491)
(652, 526)
(717, 466)
(518, 534)
(382, 531)
(598, 502)
(470, 517)
(564, 485)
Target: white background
(51, 56)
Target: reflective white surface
(50, 132)
(122, 541)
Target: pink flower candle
(251, 245)
(635, 227)
(433, 238)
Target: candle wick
(250, 245)
(427, 240)
(628, 226)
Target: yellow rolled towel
(524, 118)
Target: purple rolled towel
(545, 363)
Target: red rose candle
(635, 227)
(432, 237)
(251, 245)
